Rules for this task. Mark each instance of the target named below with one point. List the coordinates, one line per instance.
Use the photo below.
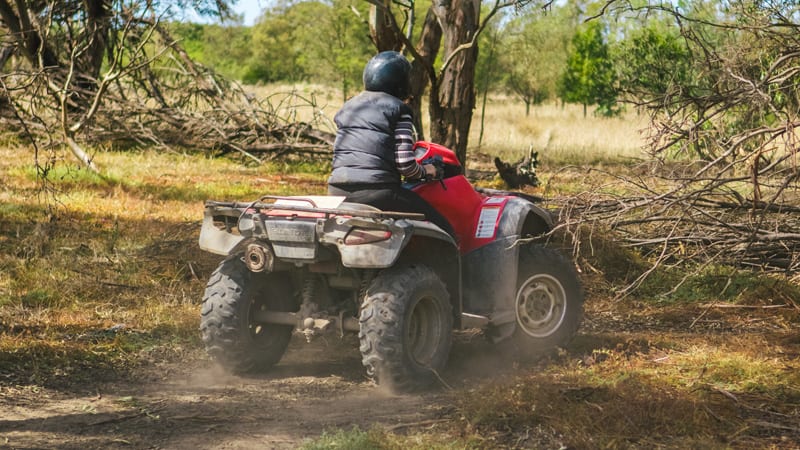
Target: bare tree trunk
(384, 35)
(451, 109)
(427, 48)
(28, 38)
(97, 26)
(5, 53)
(491, 59)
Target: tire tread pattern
(224, 326)
(382, 318)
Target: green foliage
(653, 62)
(354, 439)
(714, 73)
(278, 53)
(287, 48)
(488, 70)
(589, 78)
(284, 46)
(225, 48)
(534, 54)
(346, 48)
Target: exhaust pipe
(259, 258)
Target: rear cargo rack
(261, 206)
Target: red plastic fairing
(424, 150)
(457, 201)
(474, 216)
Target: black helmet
(388, 72)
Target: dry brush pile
(147, 91)
(676, 220)
(721, 183)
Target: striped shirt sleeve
(404, 149)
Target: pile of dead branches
(721, 183)
(674, 220)
(151, 93)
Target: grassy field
(560, 133)
(102, 278)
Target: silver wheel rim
(541, 305)
(423, 331)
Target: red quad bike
(318, 264)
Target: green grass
(353, 439)
(66, 176)
(380, 439)
(715, 283)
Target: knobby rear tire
(230, 335)
(406, 324)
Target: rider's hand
(430, 170)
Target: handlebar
(438, 163)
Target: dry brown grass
(113, 280)
(561, 134)
(115, 270)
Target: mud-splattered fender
(490, 272)
(216, 240)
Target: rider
(374, 143)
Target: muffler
(259, 258)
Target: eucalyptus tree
(445, 52)
(534, 56)
(589, 76)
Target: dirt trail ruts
(195, 405)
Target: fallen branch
(421, 423)
(731, 306)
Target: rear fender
(374, 255)
(432, 247)
(216, 238)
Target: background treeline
(537, 55)
(306, 41)
(533, 54)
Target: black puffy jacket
(364, 150)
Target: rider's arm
(404, 149)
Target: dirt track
(191, 404)
(316, 386)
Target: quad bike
(317, 264)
